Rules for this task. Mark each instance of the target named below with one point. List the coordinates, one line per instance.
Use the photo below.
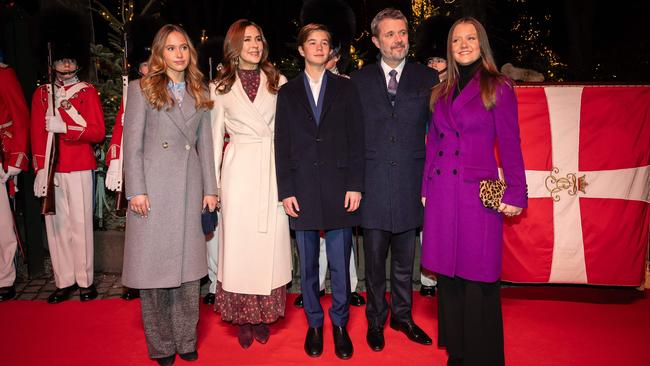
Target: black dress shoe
(209, 299)
(190, 356)
(87, 293)
(61, 294)
(375, 338)
(429, 291)
(7, 293)
(356, 299)
(298, 301)
(130, 294)
(412, 331)
(342, 343)
(314, 342)
(166, 361)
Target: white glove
(55, 124)
(11, 171)
(40, 184)
(113, 176)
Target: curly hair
(232, 47)
(154, 84)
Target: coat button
(442, 135)
(392, 139)
(440, 153)
(392, 163)
(457, 134)
(438, 171)
(319, 140)
(456, 152)
(165, 145)
(187, 147)
(454, 172)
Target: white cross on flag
(587, 157)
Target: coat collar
(330, 94)
(469, 92)
(403, 85)
(255, 107)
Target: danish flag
(587, 156)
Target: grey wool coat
(168, 155)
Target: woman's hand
(352, 200)
(140, 205)
(509, 210)
(211, 202)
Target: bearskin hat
(140, 32)
(67, 32)
(431, 38)
(336, 15)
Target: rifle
(48, 206)
(121, 203)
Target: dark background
(592, 40)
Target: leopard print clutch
(491, 192)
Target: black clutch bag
(209, 221)
(491, 192)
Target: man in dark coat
(319, 164)
(394, 99)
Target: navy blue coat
(319, 163)
(395, 148)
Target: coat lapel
(330, 95)
(176, 116)
(255, 108)
(382, 84)
(300, 94)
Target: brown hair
(310, 28)
(389, 13)
(489, 74)
(232, 46)
(154, 84)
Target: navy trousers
(338, 247)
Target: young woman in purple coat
(473, 110)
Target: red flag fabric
(587, 157)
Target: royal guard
(70, 113)
(139, 35)
(14, 129)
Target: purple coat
(460, 236)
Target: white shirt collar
(315, 85)
(386, 69)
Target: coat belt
(265, 175)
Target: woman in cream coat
(254, 247)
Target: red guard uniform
(70, 231)
(115, 146)
(14, 129)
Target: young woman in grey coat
(169, 179)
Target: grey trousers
(170, 317)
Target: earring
(237, 61)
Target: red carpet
(543, 326)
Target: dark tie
(392, 86)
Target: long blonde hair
(490, 76)
(232, 46)
(154, 84)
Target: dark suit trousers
(470, 324)
(376, 244)
(338, 245)
(170, 317)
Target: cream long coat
(254, 245)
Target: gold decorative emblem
(65, 104)
(571, 183)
